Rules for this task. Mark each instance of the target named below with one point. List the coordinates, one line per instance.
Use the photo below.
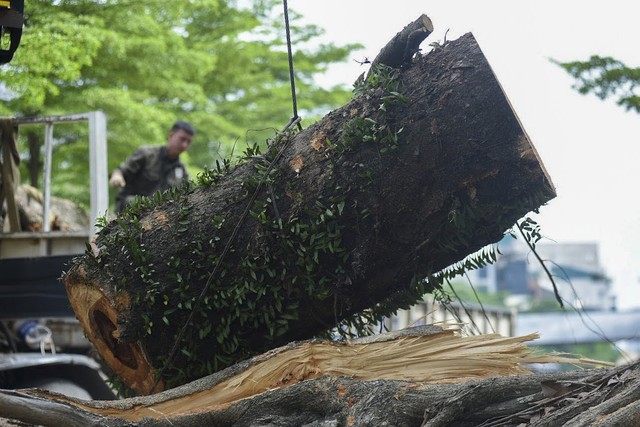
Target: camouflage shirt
(146, 171)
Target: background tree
(606, 77)
(219, 65)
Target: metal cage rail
(99, 191)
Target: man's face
(178, 143)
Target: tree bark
(426, 166)
(420, 378)
(404, 45)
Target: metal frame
(478, 319)
(99, 176)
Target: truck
(41, 342)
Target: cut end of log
(405, 44)
(427, 24)
(100, 319)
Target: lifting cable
(295, 121)
(292, 78)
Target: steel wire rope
(295, 120)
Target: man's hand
(117, 180)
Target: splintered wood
(441, 357)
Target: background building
(575, 267)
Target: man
(153, 168)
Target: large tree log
(407, 380)
(428, 165)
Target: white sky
(591, 148)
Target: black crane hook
(11, 20)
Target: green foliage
(382, 76)
(606, 77)
(305, 255)
(220, 65)
(377, 128)
(480, 259)
(366, 129)
(210, 177)
(530, 230)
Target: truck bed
(30, 287)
